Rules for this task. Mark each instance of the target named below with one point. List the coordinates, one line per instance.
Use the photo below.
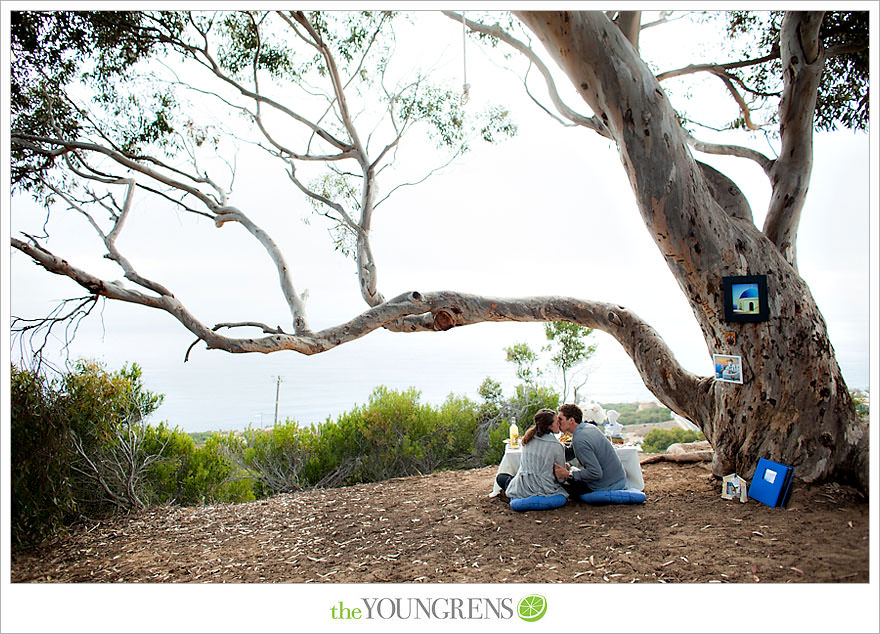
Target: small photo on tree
(728, 368)
(745, 298)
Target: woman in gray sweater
(540, 449)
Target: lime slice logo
(532, 607)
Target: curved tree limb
(18, 138)
(765, 163)
(109, 239)
(743, 106)
(221, 216)
(803, 61)
(663, 375)
(294, 301)
(717, 68)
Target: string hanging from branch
(466, 87)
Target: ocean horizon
(216, 391)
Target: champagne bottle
(514, 434)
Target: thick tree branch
(803, 61)
(727, 194)
(338, 89)
(732, 150)
(663, 375)
(629, 23)
(673, 197)
(367, 274)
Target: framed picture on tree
(728, 368)
(745, 298)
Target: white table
(629, 458)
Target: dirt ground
(443, 527)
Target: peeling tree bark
(793, 406)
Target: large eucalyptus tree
(313, 89)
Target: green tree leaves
(843, 91)
(568, 348)
(524, 358)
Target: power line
(277, 390)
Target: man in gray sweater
(601, 469)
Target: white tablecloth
(510, 462)
(629, 457)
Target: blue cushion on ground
(537, 502)
(621, 496)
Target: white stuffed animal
(594, 412)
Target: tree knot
(443, 320)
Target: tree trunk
(794, 406)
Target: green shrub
(190, 474)
(630, 414)
(81, 445)
(164, 475)
(861, 401)
(42, 497)
(209, 476)
(392, 435)
(658, 440)
(527, 399)
(275, 459)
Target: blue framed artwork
(745, 298)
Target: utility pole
(277, 390)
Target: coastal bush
(81, 446)
(274, 458)
(630, 414)
(861, 401)
(211, 477)
(527, 399)
(42, 497)
(188, 473)
(658, 440)
(75, 445)
(392, 435)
